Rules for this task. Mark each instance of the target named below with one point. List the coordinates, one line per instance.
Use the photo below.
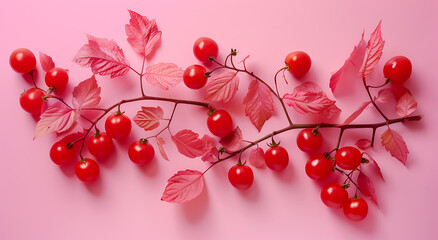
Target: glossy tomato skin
(356, 209)
(141, 152)
(194, 77)
(334, 195)
(57, 78)
(22, 60)
(100, 145)
(205, 47)
(348, 158)
(276, 158)
(398, 69)
(61, 154)
(299, 63)
(32, 101)
(307, 141)
(319, 167)
(220, 123)
(87, 170)
(241, 177)
(118, 126)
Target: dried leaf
(183, 186)
(57, 118)
(160, 143)
(372, 53)
(376, 167)
(164, 75)
(258, 102)
(189, 144)
(257, 157)
(367, 187)
(143, 35)
(149, 117)
(233, 141)
(363, 144)
(406, 105)
(46, 62)
(356, 113)
(394, 143)
(222, 87)
(86, 94)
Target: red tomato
(299, 63)
(241, 177)
(220, 123)
(100, 145)
(118, 126)
(57, 78)
(141, 152)
(356, 209)
(22, 60)
(309, 142)
(348, 158)
(398, 69)
(194, 77)
(204, 48)
(276, 158)
(87, 170)
(32, 101)
(334, 195)
(61, 154)
(319, 167)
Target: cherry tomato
(348, 158)
(118, 126)
(276, 158)
(319, 167)
(334, 195)
(204, 48)
(61, 154)
(87, 170)
(194, 77)
(141, 152)
(32, 100)
(299, 63)
(22, 60)
(220, 123)
(241, 177)
(309, 142)
(57, 78)
(398, 69)
(356, 209)
(100, 145)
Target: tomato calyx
(82, 160)
(69, 145)
(118, 112)
(211, 59)
(211, 111)
(315, 131)
(273, 143)
(207, 74)
(97, 134)
(345, 186)
(143, 141)
(222, 149)
(364, 161)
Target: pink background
(40, 200)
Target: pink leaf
(350, 69)
(189, 144)
(372, 53)
(149, 117)
(160, 143)
(385, 95)
(367, 187)
(164, 75)
(258, 104)
(183, 186)
(376, 167)
(356, 113)
(394, 143)
(86, 94)
(309, 98)
(222, 87)
(363, 144)
(57, 118)
(399, 91)
(211, 155)
(406, 105)
(104, 57)
(257, 157)
(232, 141)
(143, 35)
(46, 61)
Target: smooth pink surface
(40, 200)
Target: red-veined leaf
(258, 104)
(160, 143)
(86, 94)
(149, 117)
(210, 145)
(372, 53)
(394, 143)
(385, 95)
(183, 186)
(309, 98)
(356, 113)
(143, 35)
(363, 144)
(406, 105)
(257, 157)
(349, 71)
(367, 187)
(57, 118)
(222, 87)
(164, 75)
(103, 56)
(232, 141)
(189, 144)
(375, 166)
(46, 62)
